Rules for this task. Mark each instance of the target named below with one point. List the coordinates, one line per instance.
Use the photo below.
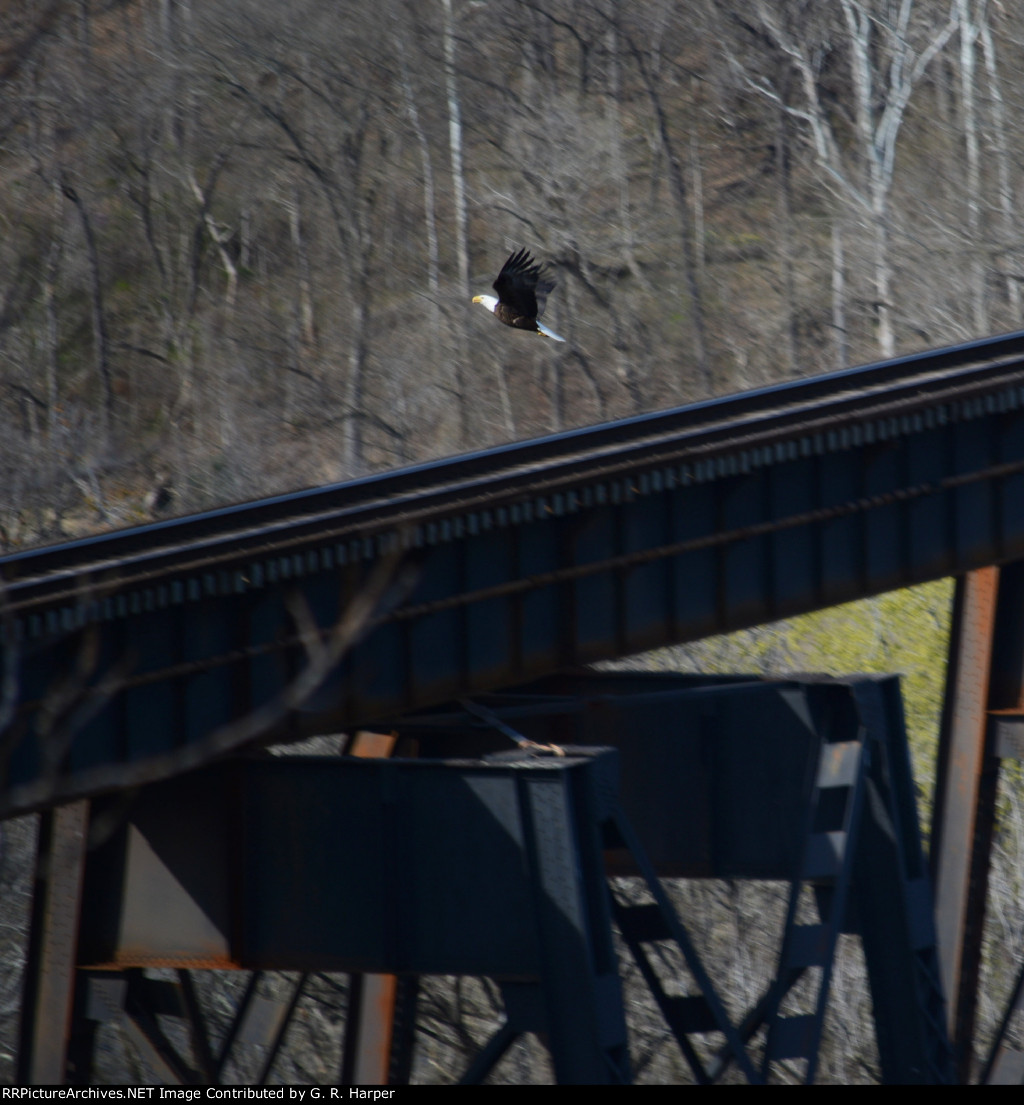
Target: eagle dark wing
(523, 287)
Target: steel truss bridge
(452, 606)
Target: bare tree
(650, 61)
(100, 332)
(968, 33)
(886, 49)
(1006, 255)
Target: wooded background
(240, 238)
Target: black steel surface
(138, 653)
(497, 867)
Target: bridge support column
(50, 967)
(984, 710)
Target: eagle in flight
(522, 288)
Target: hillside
(242, 237)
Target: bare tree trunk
(1003, 174)
(429, 199)
(697, 188)
(883, 281)
(625, 368)
(52, 324)
(882, 47)
(52, 337)
(677, 181)
(613, 112)
(304, 307)
(785, 237)
(505, 401)
(839, 329)
(879, 175)
(455, 146)
(303, 329)
(968, 39)
(354, 445)
(100, 337)
(461, 216)
(216, 235)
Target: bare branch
(71, 704)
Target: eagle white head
(488, 301)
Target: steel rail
(404, 498)
(562, 575)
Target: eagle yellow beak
(477, 298)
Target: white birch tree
(886, 49)
(1003, 146)
(968, 27)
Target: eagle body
(522, 287)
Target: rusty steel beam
(49, 983)
(369, 1029)
(984, 698)
(961, 752)
(366, 1059)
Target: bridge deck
(131, 655)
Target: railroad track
(133, 655)
(424, 502)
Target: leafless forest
(240, 239)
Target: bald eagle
(522, 288)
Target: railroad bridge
(454, 607)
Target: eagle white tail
(548, 333)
